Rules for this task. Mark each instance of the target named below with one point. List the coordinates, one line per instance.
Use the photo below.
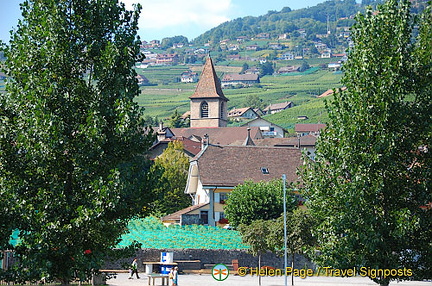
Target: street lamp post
(285, 228)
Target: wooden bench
(153, 277)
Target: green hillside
(300, 88)
(313, 19)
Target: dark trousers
(132, 271)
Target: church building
(208, 104)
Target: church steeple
(209, 85)
(208, 103)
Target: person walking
(175, 276)
(134, 269)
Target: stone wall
(210, 256)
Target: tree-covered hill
(313, 19)
(319, 19)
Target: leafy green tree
(170, 170)
(299, 225)
(253, 101)
(305, 66)
(255, 235)
(266, 69)
(151, 121)
(176, 120)
(373, 164)
(72, 159)
(253, 201)
(170, 41)
(245, 66)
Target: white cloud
(163, 14)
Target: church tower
(208, 104)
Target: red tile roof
(308, 140)
(219, 135)
(277, 106)
(209, 85)
(233, 165)
(309, 127)
(177, 214)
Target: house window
(204, 217)
(222, 110)
(223, 197)
(265, 170)
(204, 109)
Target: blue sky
(168, 18)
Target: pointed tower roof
(209, 85)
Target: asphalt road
(232, 280)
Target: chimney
(248, 141)
(161, 134)
(204, 142)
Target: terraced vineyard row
(151, 233)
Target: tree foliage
(373, 163)
(253, 201)
(253, 101)
(266, 69)
(312, 19)
(299, 225)
(170, 170)
(72, 143)
(176, 120)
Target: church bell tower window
(204, 109)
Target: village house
(242, 38)
(334, 66)
(287, 57)
(190, 147)
(331, 91)
(155, 43)
(142, 80)
(278, 107)
(267, 128)
(252, 48)
(252, 70)
(218, 136)
(309, 129)
(326, 54)
(217, 170)
(233, 47)
(189, 76)
(263, 36)
(233, 57)
(240, 114)
(305, 143)
(283, 36)
(288, 69)
(167, 59)
(240, 79)
(275, 46)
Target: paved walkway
(207, 280)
